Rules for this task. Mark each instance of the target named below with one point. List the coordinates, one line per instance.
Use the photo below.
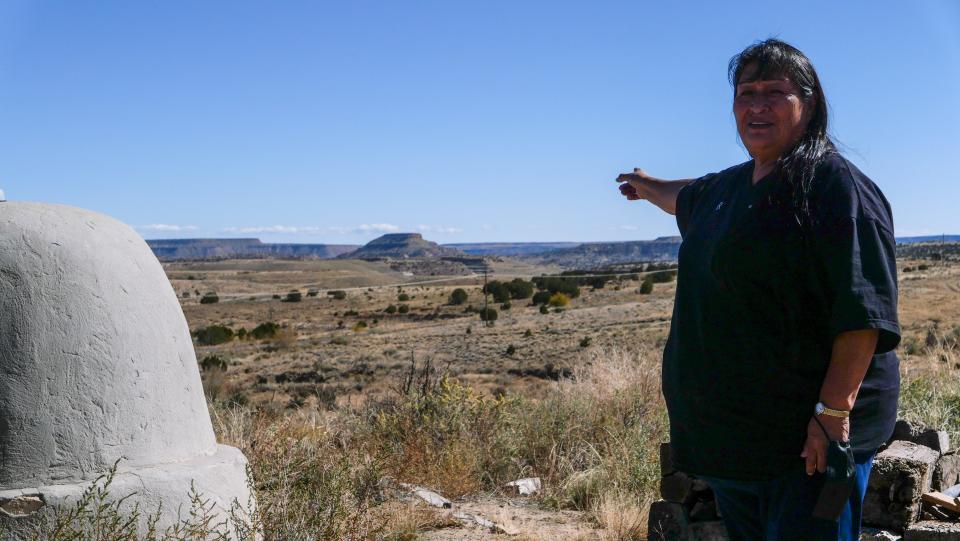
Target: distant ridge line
(413, 245)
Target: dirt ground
(323, 347)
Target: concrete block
(938, 440)
(901, 474)
(667, 522)
(947, 472)
(932, 531)
(906, 430)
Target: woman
(785, 323)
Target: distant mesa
(401, 245)
(510, 249)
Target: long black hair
(771, 59)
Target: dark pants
(782, 509)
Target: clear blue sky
(469, 121)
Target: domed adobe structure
(97, 366)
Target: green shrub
(489, 314)
(527, 333)
(511, 349)
(337, 294)
(497, 289)
(662, 277)
(293, 296)
(506, 306)
(520, 288)
(544, 309)
(313, 292)
(211, 362)
(403, 308)
(558, 300)
(646, 287)
(391, 309)
(265, 330)
(541, 297)
(586, 341)
(403, 297)
(213, 335)
(210, 297)
(566, 285)
(459, 296)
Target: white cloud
(312, 230)
(276, 229)
(365, 228)
(167, 227)
(382, 228)
(438, 229)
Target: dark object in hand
(841, 474)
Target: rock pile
(913, 494)
(688, 510)
(905, 493)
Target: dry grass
(592, 439)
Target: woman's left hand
(815, 448)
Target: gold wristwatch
(821, 409)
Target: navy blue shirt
(759, 301)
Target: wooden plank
(941, 499)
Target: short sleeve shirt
(759, 301)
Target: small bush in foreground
(210, 297)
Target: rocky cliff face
(592, 255)
(401, 245)
(174, 249)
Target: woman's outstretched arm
(662, 193)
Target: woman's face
(771, 115)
